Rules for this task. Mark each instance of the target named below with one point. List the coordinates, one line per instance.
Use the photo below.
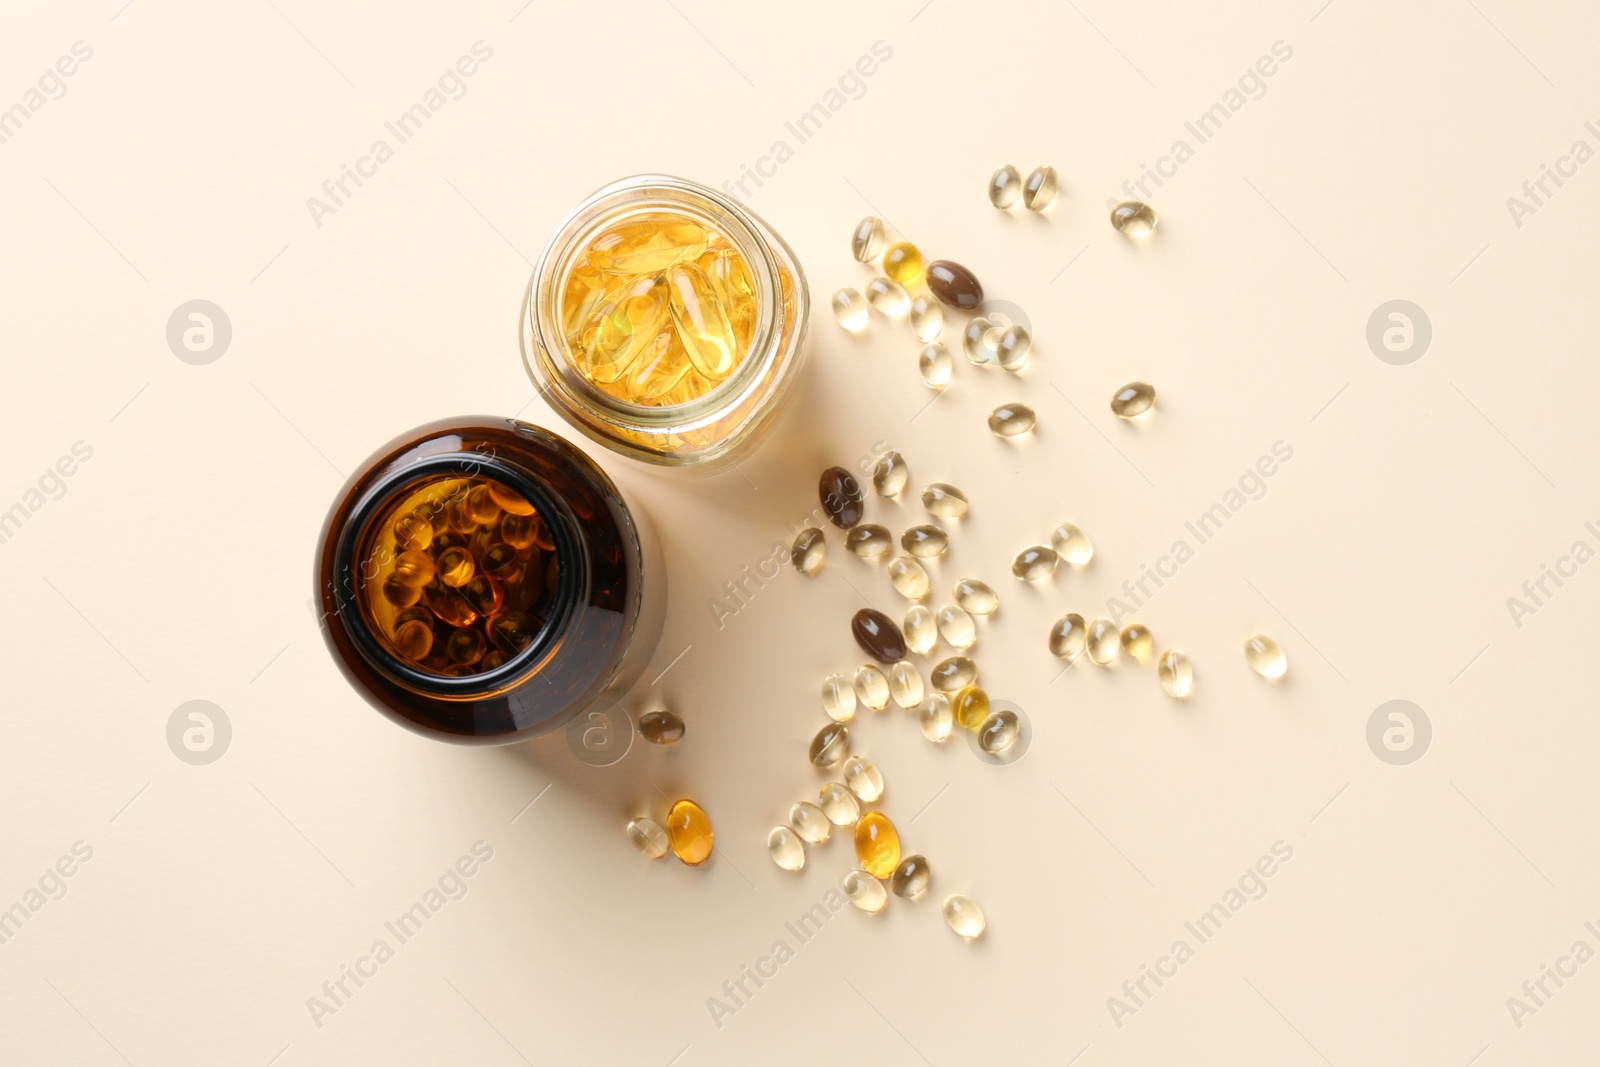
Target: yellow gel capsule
(689, 831)
(902, 262)
(702, 322)
(970, 707)
(414, 568)
(647, 244)
(877, 844)
(622, 329)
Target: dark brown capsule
(878, 636)
(841, 496)
(954, 285)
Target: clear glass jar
(569, 300)
(482, 581)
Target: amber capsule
(455, 566)
(413, 532)
(492, 659)
(869, 540)
(413, 639)
(661, 728)
(890, 474)
(480, 505)
(908, 578)
(1133, 219)
(867, 239)
(513, 631)
(465, 646)
(977, 597)
(841, 496)
(956, 626)
(1035, 563)
(887, 297)
(911, 877)
(970, 707)
(399, 593)
(998, 732)
(1176, 673)
(921, 630)
(963, 915)
(1133, 400)
(519, 531)
(945, 501)
(509, 500)
(954, 674)
(809, 822)
(838, 804)
(1040, 189)
(1103, 642)
(1136, 640)
(936, 718)
(905, 684)
(1072, 544)
(448, 604)
(831, 745)
(838, 698)
(1265, 657)
(926, 318)
(1005, 186)
(877, 844)
(864, 891)
(648, 837)
(484, 594)
(809, 551)
(1068, 637)
(1011, 420)
(902, 262)
(689, 831)
(954, 285)
(850, 309)
(935, 366)
(500, 560)
(786, 848)
(872, 688)
(878, 636)
(863, 778)
(927, 542)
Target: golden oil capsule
(889, 298)
(1072, 544)
(500, 560)
(867, 239)
(838, 804)
(1136, 640)
(926, 317)
(925, 542)
(661, 728)
(935, 366)
(869, 540)
(850, 309)
(414, 568)
(831, 745)
(1068, 637)
(1011, 352)
(980, 340)
(863, 779)
(1103, 641)
(809, 822)
(877, 844)
(905, 684)
(648, 837)
(908, 577)
(998, 732)
(1035, 563)
(976, 597)
(413, 532)
(1040, 189)
(864, 891)
(920, 629)
(944, 501)
(448, 604)
(1011, 420)
(399, 593)
(509, 500)
(970, 707)
(1133, 218)
(465, 646)
(1176, 673)
(1265, 657)
(911, 878)
(902, 262)
(519, 531)
(890, 475)
(956, 626)
(954, 674)
(1133, 400)
(935, 719)
(809, 552)
(1005, 186)
(689, 832)
(513, 631)
(413, 639)
(480, 505)
(484, 594)
(786, 848)
(963, 915)
(455, 566)
(838, 698)
(647, 244)
(872, 688)
(492, 659)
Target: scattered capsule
(977, 597)
(1133, 400)
(921, 630)
(945, 501)
(1011, 420)
(867, 240)
(980, 340)
(648, 837)
(970, 707)
(1176, 673)
(864, 891)
(935, 366)
(1136, 640)
(838, 804)
(878, 635)
(999, 732)
(809, 551)
(831, 745)
(877, 844)
(888, 297)
(926, 317)
(661, 728)
(689, 831)
(1040, 189)
(850, 309)
(963, 915)
(809, 822)
(1072, 544)
(1103, 642)
(936, 719)
(869, 540)
(926, 542)
(908, 577)
(902, 262)
(1005, 186)
(872, 688)
(955, 673)
(863, 779)
(954, 285)
(786, 848)
(1012, 350)
(1133, 218)
(1068, 637)
(956, 626)
(1035, 563)
(890, 475)
(841, 496)
(911, 877)
(838, 698)
(905, 684)
(1265, 657)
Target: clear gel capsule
(838, 698)
(956, 627)
(1176, 673)
(863, 779)
(1005, 187)
(888, 297)
(920, 629)
(850, 309)
(1072, 544)
(935, 719)
(935, 366)
(809, 822)
(927, 318)
(1035, 564)
(864, 891)
(786, 848)
(977, 597)
(905, 684)
(1012, 351)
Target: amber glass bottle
(482, 581)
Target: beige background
(1376, 166)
